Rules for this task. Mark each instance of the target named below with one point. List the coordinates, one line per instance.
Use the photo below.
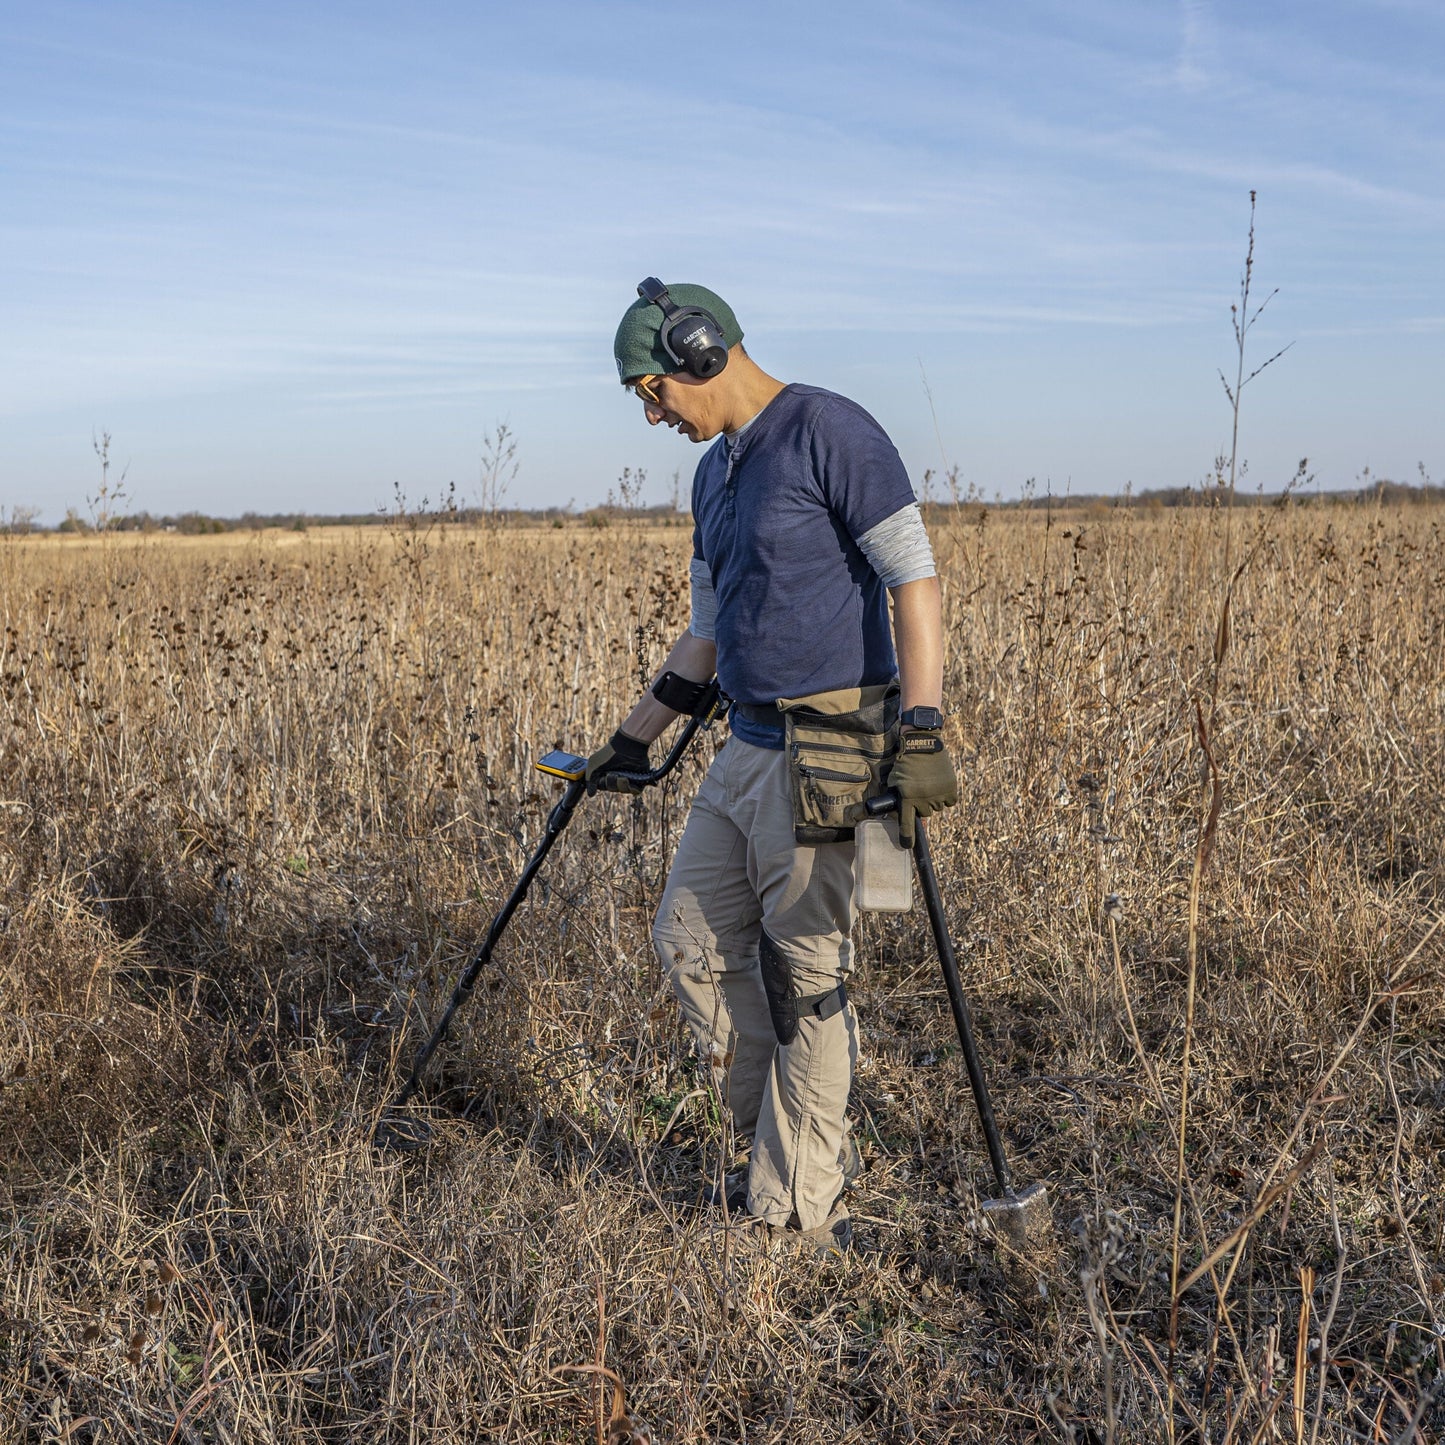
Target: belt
(764, 717)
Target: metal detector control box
(563, 765)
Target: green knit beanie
(638, 347)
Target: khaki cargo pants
(738, 875)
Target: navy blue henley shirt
(777, 517)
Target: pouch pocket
(840, 745)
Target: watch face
(923, 717)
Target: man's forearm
(691, 657)
(918, 638)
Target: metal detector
(402, 1135)
(1022, 1215)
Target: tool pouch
(839, 746)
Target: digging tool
(1023, 1216)
(402, 1135)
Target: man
(805, 523)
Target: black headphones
(690, 335)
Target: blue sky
(292, 257)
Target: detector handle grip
(713, 705)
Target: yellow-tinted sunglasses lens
(643, 387)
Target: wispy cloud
(1195, 65)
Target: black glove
(923, 778)
(619, 754)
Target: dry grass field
(260, 796)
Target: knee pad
(785, 1008)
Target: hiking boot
(834, 1236)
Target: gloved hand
(922, 775)
(619, 754)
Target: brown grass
(260, 797)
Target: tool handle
(883, 804)
(928, 880)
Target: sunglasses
(643, 387)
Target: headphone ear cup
(697, 342)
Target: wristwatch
(922, 718)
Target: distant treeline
(198, 524)
(1381, 492)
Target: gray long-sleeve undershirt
(897, 549)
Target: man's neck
(754, 390)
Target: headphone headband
(651, 289)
